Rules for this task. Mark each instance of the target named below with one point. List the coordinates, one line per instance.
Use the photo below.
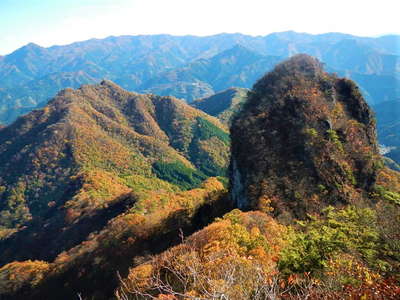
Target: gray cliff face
(237, 188)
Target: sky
(59, 22)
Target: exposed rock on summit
(303, 140)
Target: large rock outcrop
(303, 140)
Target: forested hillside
(90, 152)
(324, 212)
(110, 194)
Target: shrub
(349, 230)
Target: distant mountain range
(388, 117)
(189, 67)
(235, 67)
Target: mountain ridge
(91, 148)
(132, 61)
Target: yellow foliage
(140, 275)
(346, 269)
(264, 204)
(17, 274)
(206, 261)
(389, 179)
(99, 188)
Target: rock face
(303, 140)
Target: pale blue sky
(55, 22)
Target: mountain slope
(304, 150)
(93, 267)
(223, 105)
(89, 149)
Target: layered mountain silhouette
(238, 66)
(188, 67)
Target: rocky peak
(303, 140)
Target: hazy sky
(55, 22)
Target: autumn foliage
(111, 192)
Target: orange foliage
(99, 188)
(245, 245)
(17, 274)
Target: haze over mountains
(189, 67)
